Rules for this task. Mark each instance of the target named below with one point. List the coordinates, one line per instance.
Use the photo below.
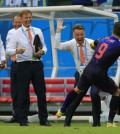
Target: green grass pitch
(77, 127)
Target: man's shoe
(23, 124)
(59, 113)
(111, 125)
(66, 124)
(12, 120)
(45, 123)
(96, 125)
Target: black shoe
(23, 124)
(96, 125)
(45, 123)
(66, 124)
(12, 120)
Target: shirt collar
(82, 44)
(113, 37)
(25, 28)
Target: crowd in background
(112, 5)
(20, 3)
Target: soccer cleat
(59, 113)
(111, 125)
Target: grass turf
(82, 127)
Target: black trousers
(31, 71)
(14, 88)
(96, 105)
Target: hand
(3, 64)
(20, 51)
(5, 67)
(39, 52)
(60, 25)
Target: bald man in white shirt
(13, 72)
(73, 46)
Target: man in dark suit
(29, 68)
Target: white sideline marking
(34, 118)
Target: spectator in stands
(73, 47)
(13, 3)
(106, 5)
(99, 2)
(96, 72)
(116, 3)
(31, 3)
(24, 5)
(13, 73)
(59, 3)
(29, 68)
(82, 2)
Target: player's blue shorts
(105, 84)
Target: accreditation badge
(33, 56)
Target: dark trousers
(96, 105)
(31, 71)
(14, 88)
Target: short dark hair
(116, 28)
(79, 27)
(25, 12)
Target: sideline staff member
(13, 73)
(81, 59)
(29, 68)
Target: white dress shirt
(20, 39)
(2, 51)
(73, 48)
(9, 35)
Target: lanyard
(29, 42)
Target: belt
(14, 61)
(30, 61)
